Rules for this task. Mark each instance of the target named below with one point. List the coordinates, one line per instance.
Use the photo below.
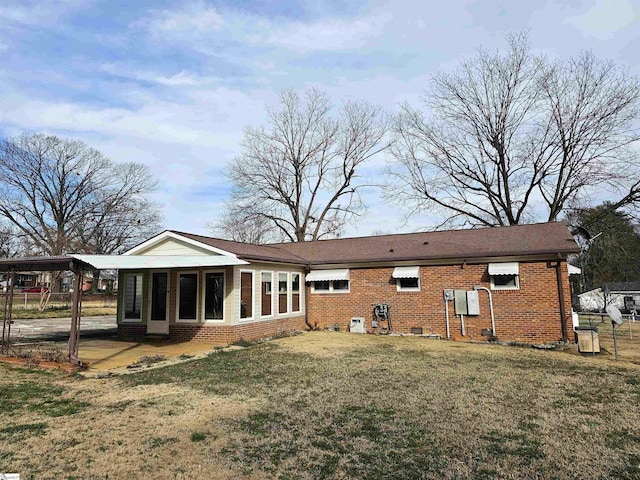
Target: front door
(158, 319)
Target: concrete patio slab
(112, 355)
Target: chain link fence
(32, 301)
(628, 334)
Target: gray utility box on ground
(588, 339)
(357, 325)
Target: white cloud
(605, 18)
(149, 122)
(41, 12)
(192, 75)
(182, 78)
(199, 24)
(325, 35)
(196, 16)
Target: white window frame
(331, 290)
(198, 300)
(400, 288)
(203, 296)
(270, 272)
(299, 292)
(288, 282)
(505, 287)
(123, 318)
(253, 295)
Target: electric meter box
(460, 302)
(473, 304)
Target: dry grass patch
(331, 405)
(125, 432)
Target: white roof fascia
(134, 262)
(507, 268)
(406, 272)
(325, 275)
(166, 235)
(573, 270)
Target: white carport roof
(133, 262)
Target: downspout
(563, 312)
(306, 298)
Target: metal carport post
(45, 264)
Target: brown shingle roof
(536, 239)
(247, 250)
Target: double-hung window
(187, 296)
(246, 294)
(295, 292)
(132, 297)
(213, 296)
(283, 292)
(266, 296)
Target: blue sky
(172, 84)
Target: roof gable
(172, 243)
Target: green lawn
(332, 405)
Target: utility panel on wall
(461, 302)
(473, 304)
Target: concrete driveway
(58, 328)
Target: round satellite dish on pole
(615, 314)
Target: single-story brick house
(509, 282)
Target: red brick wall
(132, 330)
(227, 334)
(530, 314)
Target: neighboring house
(108, 281)
(193, 287)
(624, 295)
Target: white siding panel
(175, 247)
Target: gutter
(471, 260)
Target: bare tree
(300, 174)
(242, 225)
(11, 243)
(122, 215)
(513, 138)
(65, 196)
(592, 105)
